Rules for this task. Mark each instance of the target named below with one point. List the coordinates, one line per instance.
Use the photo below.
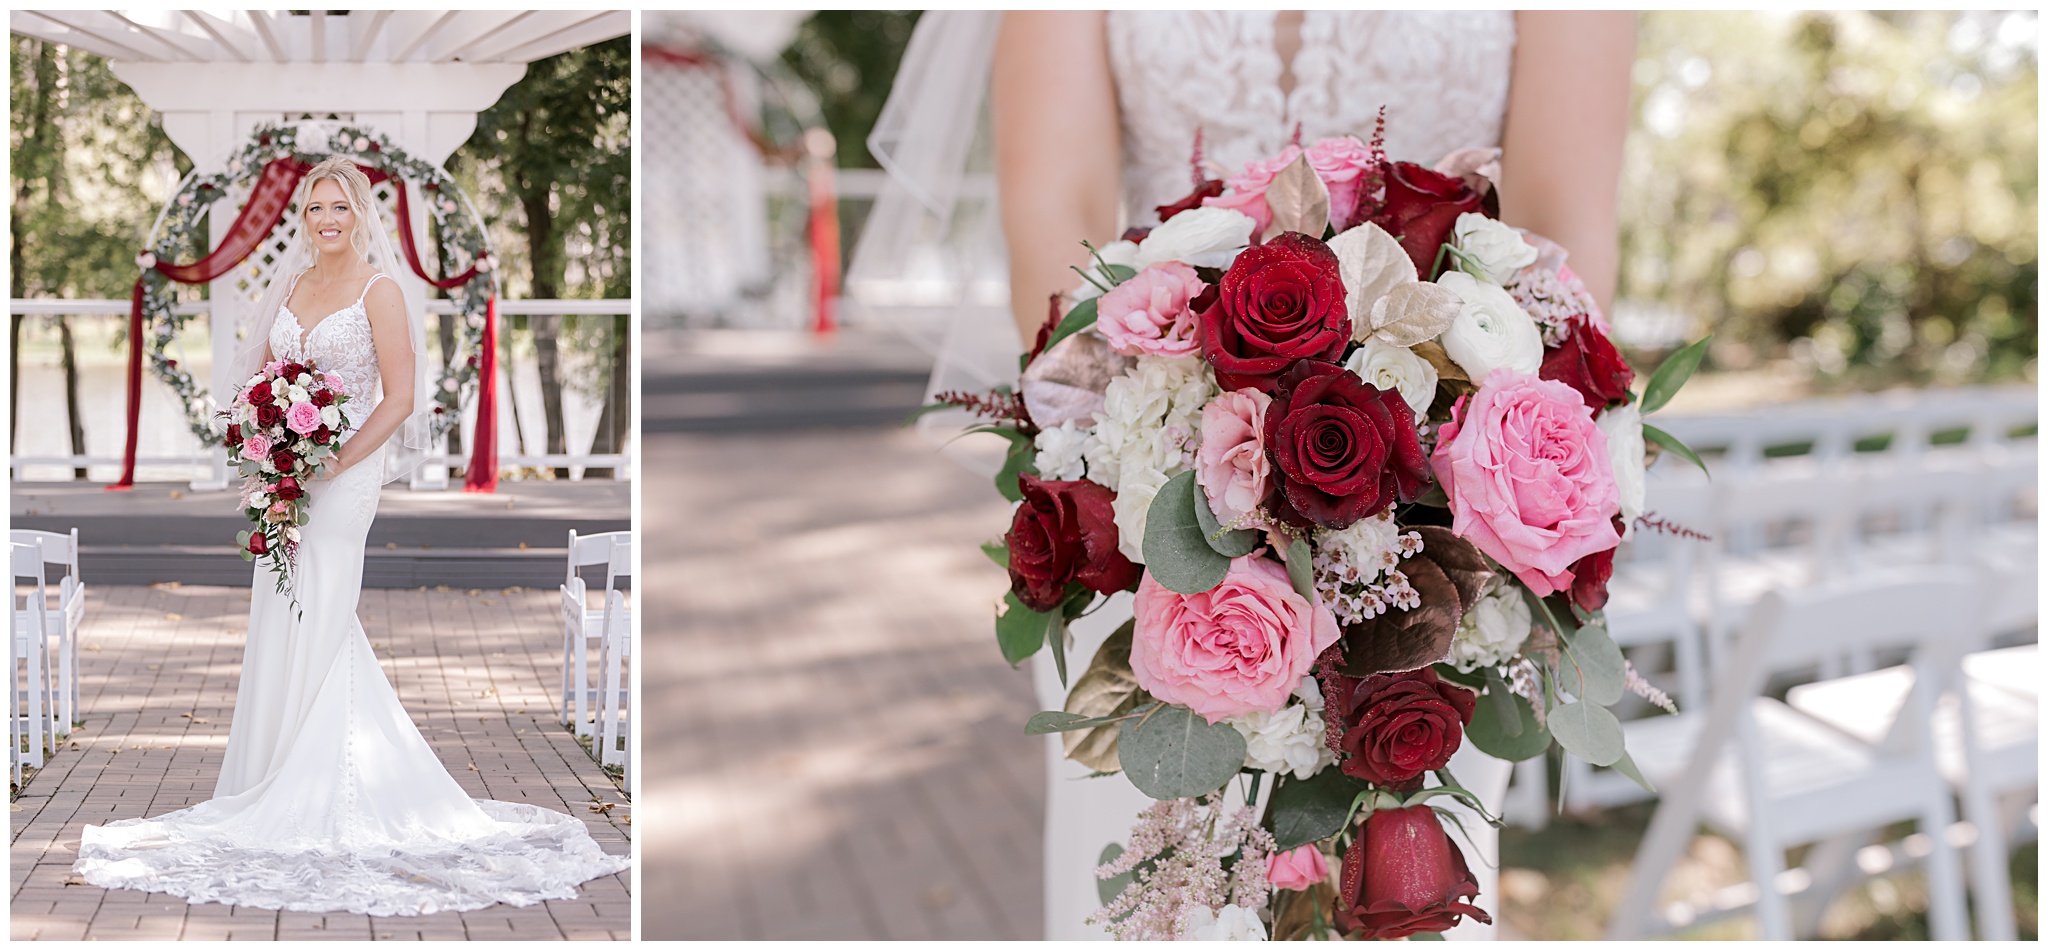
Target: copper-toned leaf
(1460, 560)
(1413, 313)
(1371, 264)
(1451, 380)
(1294, 913)
(1299, 202)
(1404, 640)
(1107, 689)
(1067, 381)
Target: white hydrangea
(1233, 923)
(1147, 430)
(1491, 633)
(1290, 741)
(1059, 451)
(1357, 568)
(1134, 495)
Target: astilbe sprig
(1177, 851)
(998, 405)
(1651, 521)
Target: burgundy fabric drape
(483, 456)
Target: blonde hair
(355, 187)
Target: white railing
(622, 464)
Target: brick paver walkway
(159, 671)
(835, 747)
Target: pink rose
(1528, 476)
(1150, 314)
(302, 418)
(333, 382)
(1248, 188)
(256, 447)
(1339, 161)
(1299, 869)
(1232, 465)
(1237, 648)
(273, 367)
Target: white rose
(1115, 252)
(1491, 633)
(1233, 923)
(297, 394)
(1497, 250)
(1395, 368)
(1491, 331)
(1623, 426)
(1059, 451)
(1198, 237)
(330, 416)
(1134, 495)
(1290, 741)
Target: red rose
(269, 414)
(283, 460)
(1588, 362)
(323, 397)
(260, 395)
(1591, 574)
(1420, 208)
(1344, 448)
(291, 371)
(1210, 188)
(288, 489)
(1404, 875)
(233, 437)
(1399, 726)
(258, 545)
(321, 435)
(1064, 531)
(1279, 302)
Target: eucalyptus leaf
(1587, 731)
(1427, 936)
(1626, 766)
(1233, 543)
(1177, 552)
(1313, 809)
(1672, 374)
(1592, 667)
(1527, 740)
(1108, 888)
(1020, 631)
(1173, 753)
(1500, 700)
(1673, 443)
(1300, 571)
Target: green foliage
(1854, 191)
(1177, 552)
(1174, 753)
(848, 58)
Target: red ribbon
(267, 204)
(824, 228)
(483, 454)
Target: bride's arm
(1561, 149)
(392, 333)
(1059, 151)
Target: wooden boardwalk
(159, 670)
(839, 747)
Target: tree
(554, 154)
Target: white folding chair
(582, 625)
(615, 706)
(65, 618)
(30, 667)
(1775, 778)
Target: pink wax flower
(1248, 189)
(302, 418)
(1232, 464)
(1149, 313)
(256, 447)
(1340, 161)
(1237, 648)
(1529, 479)
(1298, 870)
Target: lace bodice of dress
(340, 344)
(1443, 77)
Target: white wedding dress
(1443, 77)
(329, 799)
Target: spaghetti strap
(372, 282)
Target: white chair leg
(1947, 919)
(1990, 881)
(1766, 860)
(583, 725)
(568, 662)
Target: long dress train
(329, 799)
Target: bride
(329, 799)
(1094, 117)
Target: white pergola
(418, 77)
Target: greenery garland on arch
(184, 225)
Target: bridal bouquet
(1364, 454)
(283, 428)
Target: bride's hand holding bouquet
(284, 430)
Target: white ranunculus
(1115, 252)
(1395, 368)
(1491, 633)
(297, 394)
(1059, 451)
(1491, 330)
(1623, 426)
(1290, 741)
(330, 416)
(1134, 495)
(1233, 923)
(1198, 237)
(1497, 250)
